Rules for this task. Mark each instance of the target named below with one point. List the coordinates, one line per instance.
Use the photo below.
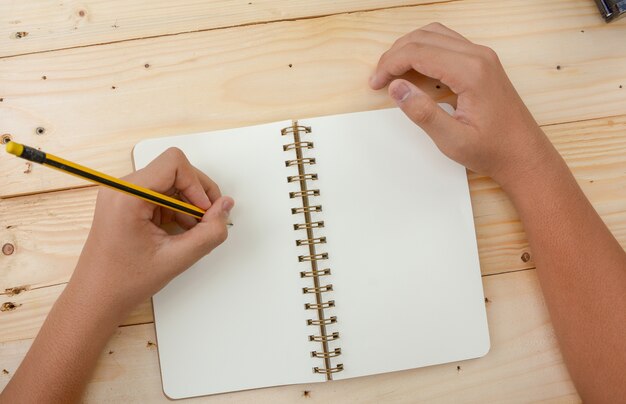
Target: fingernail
(227, 205)
(373, 80)
(400, 92)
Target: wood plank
(97, 102)
(22, 314)
(524, 364)
(51, 24)
(46, 233)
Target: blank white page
(236, 320)
(401, 244)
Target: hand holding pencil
(128, 256)
(126, 237)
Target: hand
(128, 257)
(491, 132)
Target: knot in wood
(9, 306)
(8, 249)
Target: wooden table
(89, 79)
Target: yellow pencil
(77, 170)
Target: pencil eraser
(15, 148)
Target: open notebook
(352, 253)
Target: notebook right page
(401, 244)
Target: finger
(172, 169)
(447, 66)
(442, 29)
(156, 216)
(435, 34)
(185, 221)
(430, 35)
(425, 112)
(167, 215)
(209, 233)
(209, 186)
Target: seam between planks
(134, 324)
(7, 292)
(582, 120)
(509, 271)
(49, 191)
(248, 24)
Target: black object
(611, 9)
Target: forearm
(66, 349)
(582, 271)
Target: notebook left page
(235, 320)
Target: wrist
(532, 158)
(537, 181)
(97, 296)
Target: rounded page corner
(170, 394)
(138, 149)
(485, 348)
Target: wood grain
(97, 102)
(524, 364)
(32, 306)
(47, 232)
(53, 25)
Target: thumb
(425, 112)
(188, 247)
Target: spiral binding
(332, 354)
(330, 303)
(298, 146)
(305, 160)
(308, 192)
(317, 289)
(309, 225)
(312, 256)
(309, 241)
(324, 338)
(309, 274)
(306, 209)
(299, 178)
(329, 371)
